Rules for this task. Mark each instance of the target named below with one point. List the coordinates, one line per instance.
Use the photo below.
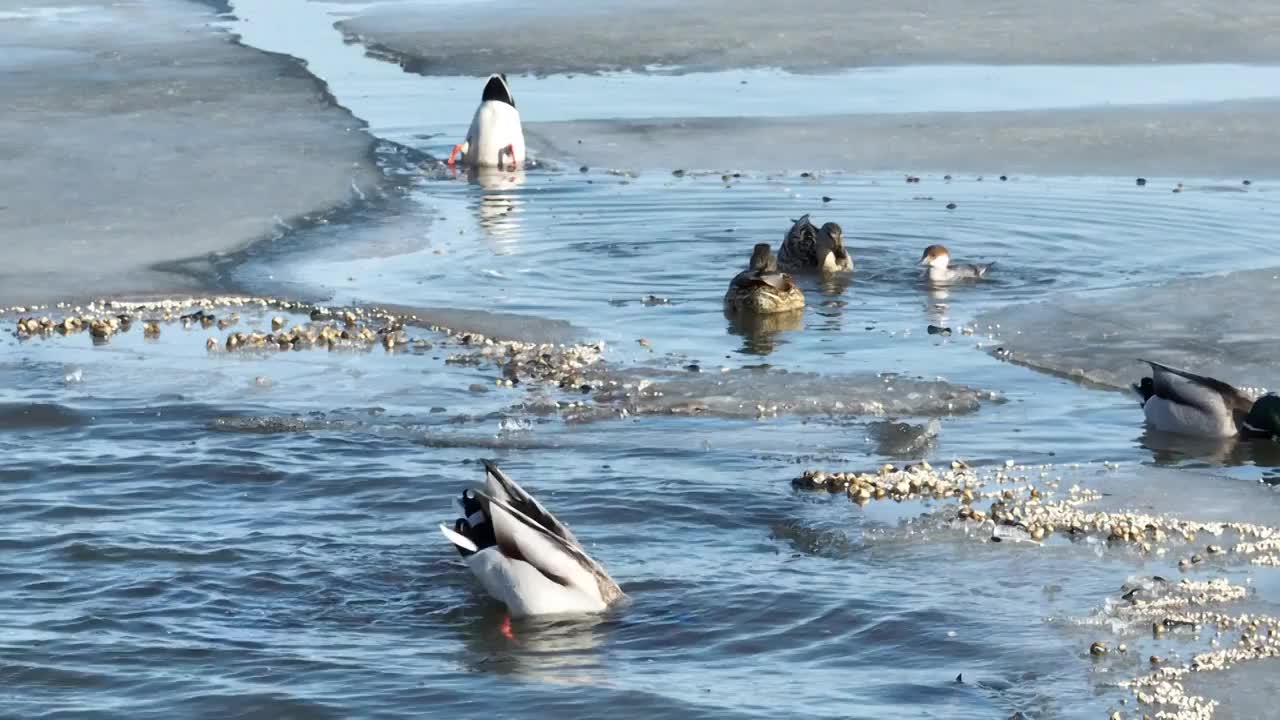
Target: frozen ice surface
(1221, 325)
(1238, 139)
(494, 325)
(748, 393)
(135, 136)
(812, 35)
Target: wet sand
(138, 139)
(815, 35)
(1223, 140)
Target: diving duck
(1181, 402)
(496, 133)
(938, 259)
(811, 249)
(761, 289)
(524, 556)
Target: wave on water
(23, 416)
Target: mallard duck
(524, 556)
(761, 289)
(810, 249)
(495, 132)
(938, 258)
(1182, 402)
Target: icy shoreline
(1230, 140)
(810, 36)
(142, 142)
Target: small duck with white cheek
(761, 289)
(810, 249)
(938, 259)
(496, 138)
(1178, 401)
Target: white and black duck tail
(474, 531)
(497, 89)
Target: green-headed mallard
(1182, 402)
(938, 259)
(811, 249)
(761, 289)
(524, 556)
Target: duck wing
(800, 246)
(498, 485)
(1199, 391)
(561, 560)
(781, 282)
(747, 279)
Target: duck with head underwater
(761, 289)
(496, 138)
(1178, 401)
(811, 249)
(524, 556)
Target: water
(252, 535)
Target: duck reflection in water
(563, 650)
(759, 333)
(1169, 448)
(498, 205)
(833, 284)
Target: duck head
(936, 256)
(497, 89)
(762, 259)
(1264, 416)
(831, 240)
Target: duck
(496, 134)
(1182, 402)
(761, 289)
(807, 248)
(524, 556)
(938, 260)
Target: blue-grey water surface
(195, 534)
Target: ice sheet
(813, 35)
(136, 135)
(761, 393)
(1222, 326)
(1228, 140)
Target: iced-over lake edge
(211, 146)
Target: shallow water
(252, 535)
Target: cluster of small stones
(1020, 501)
(566, 366)
(99, 327)
(1032, 504)
(916, 481)
(1257, 638)
(344, 331)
